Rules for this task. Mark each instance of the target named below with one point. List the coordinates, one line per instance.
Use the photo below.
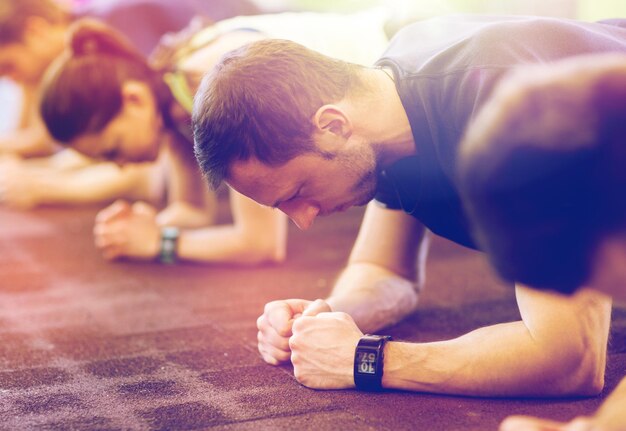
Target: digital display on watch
(369, 361)
(366, 362)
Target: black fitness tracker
(169, 243)
(368, 362)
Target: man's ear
(332, 119)
(136, 94)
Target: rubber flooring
(87, 344)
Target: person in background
(542, 177)
(33, 33)
(123, 120)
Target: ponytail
(91, 37)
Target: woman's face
(133, 135)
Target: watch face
(366, 362)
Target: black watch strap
(169, 244)
(368, 362)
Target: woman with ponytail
(103, 99)
(33, 34)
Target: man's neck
(383, 120)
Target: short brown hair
(15, 13)
(259, 100)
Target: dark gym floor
(91, 345)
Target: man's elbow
(589, 375)
(590, 345)
(592, 385)
(575, 345)
(580, 366)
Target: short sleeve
(386, 194)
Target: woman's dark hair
(82, 91)
(542, 171)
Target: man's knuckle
(284, 330)
(344, 316)
(283, 344)
(293, 343)
(297, 373)
(269, 359)
(261, 322)
(271, 306)
(303, 379)
(298, 324)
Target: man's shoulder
(426, 41)
(442, 27)
(458, 43)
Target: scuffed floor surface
(91, 345)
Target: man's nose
(302, 213)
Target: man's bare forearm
(374, 296)
(511, 359)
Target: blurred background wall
(582, 9)
(401, 10)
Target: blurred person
(33, 32)
(542, 177)
(107, 103)
(314, 136)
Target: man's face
(310, 184)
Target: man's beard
(365, 188)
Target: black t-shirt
(445, 69)
(145, 21)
